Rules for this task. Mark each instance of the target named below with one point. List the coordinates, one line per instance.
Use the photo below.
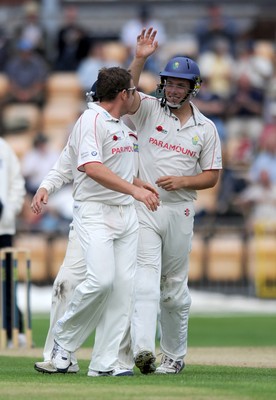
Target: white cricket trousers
(108, 236)
(71, 273)
(161, 278)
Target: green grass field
(18, 379)
(241, 330)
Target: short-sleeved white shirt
(97, 137)
(166, 148)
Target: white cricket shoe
(169, 366)
(48, 368)
(61, 358)
(114, 372)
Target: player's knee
(174, 295)
(146, 284)
(103, 284)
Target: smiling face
(176, 90)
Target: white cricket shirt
(97, 137)
(166, 148)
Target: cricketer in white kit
(179, 152)
(106, 224)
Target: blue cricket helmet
(92, 95)
(181, 67)
(184, 68)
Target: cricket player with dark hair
(102, 160)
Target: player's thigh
(74, 257)
(96, 238)
(177, 240)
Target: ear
(124, 94)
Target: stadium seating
(197, 255)
(225, 259)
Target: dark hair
(111, 81)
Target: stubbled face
(176, 89)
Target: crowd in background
(238, 93)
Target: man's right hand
(146, 196)
(146, 43)
(41, 197)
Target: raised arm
(146, 46)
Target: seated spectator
(265, 159)
(73, 42)
(27, 73)
(256, 61)
(245, 109)
(213, 106)
(258, 201)
(218, 65)
(89, 67)
(5, 45)
(216, 25)
(37, 162)
(133, 27)
(31, 28)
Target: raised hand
(146, 43)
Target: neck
(113, 109)
(183, 113)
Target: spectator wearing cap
(31, 28)
(27, 72)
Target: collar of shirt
(103, 113)
(198, 117)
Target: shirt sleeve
(210, 157)
(91, 136)
(60, 174)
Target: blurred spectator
(255, 59)
(88, 68)
(270, 106)
(218, 65)
(73, 42)
(213, 106)
(12, 192)
(133, 27)
(265, 159)
(245, 109)
(31, 29)
(37, 162)
(5, 43)
(215, 26)
(258, 201)
(27, 72)
(232, 183)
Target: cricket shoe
(46, 367)
(61, 358)
(114, 372)
(169, 366)
(145, 360)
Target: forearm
(145, 47)
(138, 182)
(60, 175)
(204, 180)
(54, 181)
(136, 67)
(105, 177)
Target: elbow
(213, 178)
